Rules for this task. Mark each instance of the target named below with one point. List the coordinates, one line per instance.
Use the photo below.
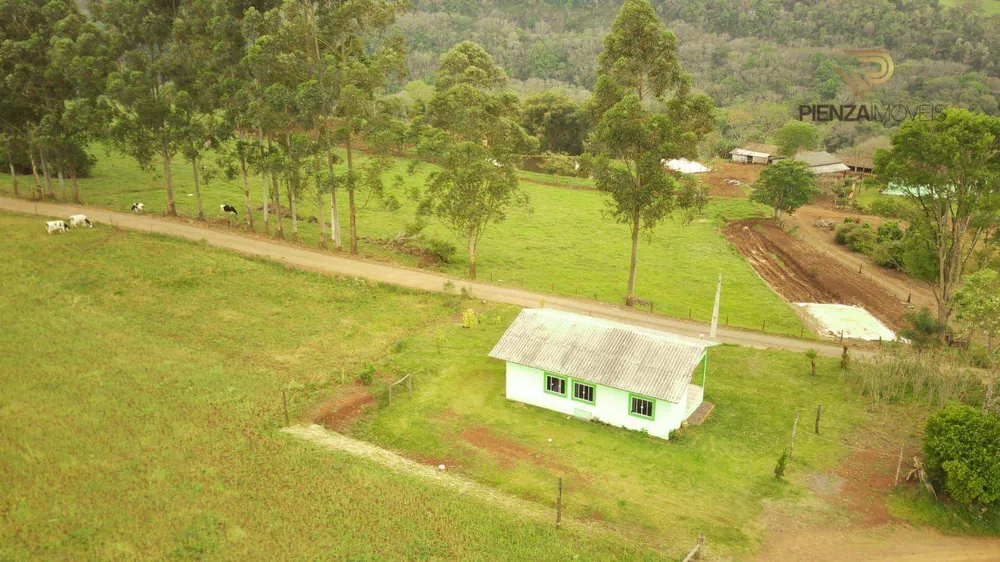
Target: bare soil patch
(509, 452)
(340, 412)
(799, 273)
(720, 180)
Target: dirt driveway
(800, 273)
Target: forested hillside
(737, 52)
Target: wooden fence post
(819, 411)
(795, 426)
(559, 505)
(763, 326)
(284, 401)
(899, 464)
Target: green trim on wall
(545, 384)
(640, 416)
(572, 394)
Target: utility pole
(715, 311)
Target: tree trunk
(13, 172)
(292, 187)
(197, 189)
(47, 174)
(246, 192)
(168, 178)
(280, 229)
(36, 188)
(630, 295)
(472, 256)
(319, 203)
(334, 213)
(73, 184)
(263, 181)
(350, 197)
(62, 184)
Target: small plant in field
(367, 374)
(439, 339)
(399, 346)
(845, 359)
(812, 354)
(466, 292)
(779, 469)
(470, 319)
(449, 286)
(541, 303)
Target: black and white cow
(137, 207)
(80, 220)
(229, 209)
(56, 226)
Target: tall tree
(978, 305)
(785, 186)
(949, 168)
(558, 123)
(637, 71)
(795, 136)
(471, 131)
(146, 106)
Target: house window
(641, 406)
(554, 384)
(583, 392)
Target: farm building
(592, 368)
(822, 162)
(858, 164)
(755, 153)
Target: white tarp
(685, 166)
(853, 321)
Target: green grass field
(714, 479)
(563, 245)
(141, 403)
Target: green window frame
(547, 387)
(583, 386)
(635, 402)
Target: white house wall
(526, 384)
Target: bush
(840, 235)
(861, 239)
(889, 254)
(441, 249)
(889, 231)
(779, 468)
(367, 374)
(960, 449)
(470, 319)
(924, 330)
(887, 207)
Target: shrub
(924, 330)
(441, 249)
(367, 374)
(890, 253)
(960, 449)
(899, 377)
(840, 235)
(779, 468)
(470, 319)
(861, 239)
(888, 207)
(889, 231)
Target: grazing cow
(80, 220)
(56, 226)
(229, 209)
(137, 207)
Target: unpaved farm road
(898, 543)
(410, 278)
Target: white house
(593, 368)
(755, 153)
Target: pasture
(141, 403)
(561, 245)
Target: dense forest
(758, 59)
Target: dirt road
(411, 278)
(800, 273)
(897, 283)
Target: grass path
(413, 278)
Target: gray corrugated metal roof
(817, 158)
(828, 168)
(628, 358)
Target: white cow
(80, 220)
(137, 207)
(56, 226)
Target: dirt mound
(799, 273)
(340, 412)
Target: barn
(820, 162)
(755, 153)
(597, 369)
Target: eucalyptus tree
(471, 131)
(645, 113)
